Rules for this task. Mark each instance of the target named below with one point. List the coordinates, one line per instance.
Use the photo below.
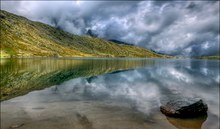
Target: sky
(189, 28)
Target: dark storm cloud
(172, 27)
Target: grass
(21, 37)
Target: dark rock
(91, 33)
(120, 42)
(184, 108)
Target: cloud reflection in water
(140, 90)
(144, 87)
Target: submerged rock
(16, 126)
(184, 108)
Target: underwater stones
(184, 108)
(16, 126)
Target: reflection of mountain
(208, 57)
(148, 87)
(19, 76)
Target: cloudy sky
(171, 27)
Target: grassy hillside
(21, 37)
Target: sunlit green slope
(22, 37)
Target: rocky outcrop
(184, 108)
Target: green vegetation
(208, 57)
(21, 37)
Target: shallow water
(105, 93)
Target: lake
(93, 93)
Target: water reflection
(20, 76)
(193, 123)
(123, 99)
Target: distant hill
(120, 42)
(21, 37)
(91, 33)
(207, 57)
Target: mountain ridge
(121, 42)
(21, 37)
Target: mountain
(120, 42)
(91, 33)
(21, 37)
(207, 57)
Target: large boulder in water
(184, 108)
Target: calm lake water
(104, 93)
